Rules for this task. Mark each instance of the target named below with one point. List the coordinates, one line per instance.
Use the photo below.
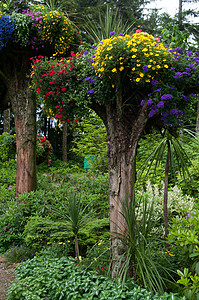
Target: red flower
(68, 120)
(75, 120)
(63, 89)
(38, 90)
(57, 106)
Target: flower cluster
(6, 30)
(140, 56)
(44, 149)
(52, 81)
(38, 28)
(167, 74)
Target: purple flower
(120, 34)
(10, 186)
(166, 97)
(88, 59)
(190, 65)
(185, 97)
(193, 95)
(87, 78)
(94, 46)
(112, 33)
(173, 111)
(154, 82)
(158, 90)
(142, 102)
(145, 68)
(160, 104)
(152, 113)
(150, 101)
(90, 91)
(188, 216)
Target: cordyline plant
(27, 31)
(127, 80)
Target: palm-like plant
(74, 217)
(176, 160)
(110, 22)
(137, 246)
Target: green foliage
(137, 244)
(175, 38)
(18, 254)
(7, 146)
(107, 22)
(91, 138)
(184, 233)
(22, 28)
(63, 278)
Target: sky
(171, 6)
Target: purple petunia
(112, 33)
(145, 68)
(154, 82)
(160, 104)
(91, 91)
(142, 102)
(150, 101)
(166, 97)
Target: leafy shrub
(42, 278)
(18, 254)
(7, 146)
(184, 234)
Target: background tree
(26, 32)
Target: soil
(6, 277)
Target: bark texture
(6, 120)
(16, 66)
(124, 124)
(64, 143)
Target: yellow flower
(113, 86)
(133, 56)
(138, 79)
(121, 68)
(68, 241)
(134, 50)
(138, 65)
(114, 70)
(133, 69)
(141, 75)
(166, 66)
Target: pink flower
(138, 30)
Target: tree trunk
(6, 120)
(180, 15)
(124, 126)
(166, 185)
(24, 108)
(197, 120)
(64, 143)
(76, 248)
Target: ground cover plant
(64, 278)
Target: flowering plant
(55, 81)
(164, 77)
(39, 28)
(44, 149)
(166, 74)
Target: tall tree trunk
(124, 126)
(6, 120)
(24, 108)
(166, 185)
(180, 15)
(64, 143)
(197, 119)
